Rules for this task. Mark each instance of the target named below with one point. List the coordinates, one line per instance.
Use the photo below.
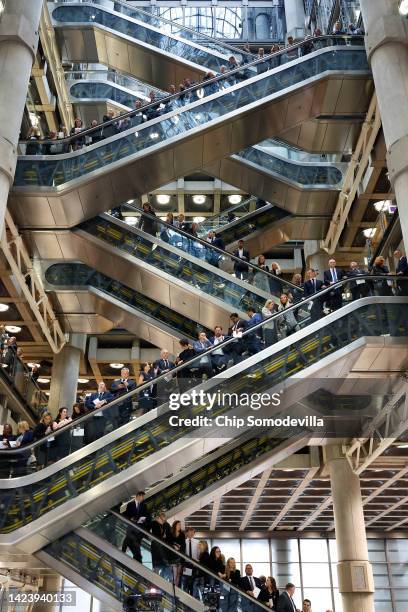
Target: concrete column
(65, 371)
(295, 18)
(315, 258)
(51, 584)
(18, 45)
(387, 49)
(356, 583)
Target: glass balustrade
(313, 175)
(139, 138)
(111, 576)
(168, 27)
(137, 441)
(184, 257)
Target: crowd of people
(197, 364)
(170, 548)
(54, 142)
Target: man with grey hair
(123, 386)
(164, 365)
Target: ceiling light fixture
(14, 329)
(198, 219)
(163, 198)
(129, 201)
(369, 232)
(82, 381)
(234, 198)
(403, 7)
(116, 366)
(382, 205)
(199, 199)
(402, 446)
(43, 381)
(31, 364)
(4, 307)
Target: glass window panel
(376, 556)
(382, 600)
(400, 606)
(229, 548)
(82, 599)
(259, 569)
(401, 595)
(316, 575)
(321, 599)
(398, 551)
(376, 544)
(285, 551)
(255, 550)
(380, 571)
(400, 571)
(338, 602)
(286, 572)
(312, 550)
(333, 551)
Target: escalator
(63, 190)
(128, 308)
(305, 187)
(186, 274)
(84, 480)
(93, 552)
(136, 42)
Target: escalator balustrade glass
(138, 440)
(53, 171)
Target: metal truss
(388, 426)
(21, 266)
(354, 175)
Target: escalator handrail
(211, 39)
(177, 95)
(109, 74)
(258, 327)
(221, 252)
(189, 561)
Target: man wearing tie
(401, 270)
(251, 586)
(200, 346)
(95, 427)
(236, 330)
(241, 267)
(312, 286)
(285, 601)
(330, 277)
(165, 386)
(137, 512)
(123, 386)
(188, 575)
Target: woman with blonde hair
(269, 329)
(381, 287)
(233, 576)
(261, 279)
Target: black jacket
(327, 275)
(245, 585)
(402, 266)
(311, 288)
(134, 513)
(242, 265)
(285, 603)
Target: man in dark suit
(236, 329)
(137, 512)
(314, 285)
(123, 386)
(241, 267)
(401, 270)
(285, 601)
(330, 277)
(254, 340)
(249, 583)
(95, 427)
(359, 288)
(163, 366)
(220, 356)
(200, 346)
(213, 257)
